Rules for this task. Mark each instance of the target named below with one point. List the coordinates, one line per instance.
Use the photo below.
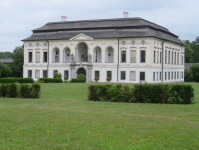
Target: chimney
(63, 18)
(125, 14)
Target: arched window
(56, 55)
(109, 55)
(97, 55)
(66, 55)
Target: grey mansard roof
(103, 28)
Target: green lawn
(63, 118)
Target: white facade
(136, 59)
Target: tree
(194, 70)
(5, 70)
(57, 75)
(189, 54)
(5, 55)
(81, 76)
(18, 61)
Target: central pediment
(81, 36)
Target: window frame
(46, 73)
(144, 75)
(130, 75)
(131, 57)
(44, 57)
(29, 57)
(141, 57)
(99, 74)
(36, 57)
(36, 73)
(107, 74)
(153, 76)
(121, 75)
(67, 75)
(122, 56)
(28, 73)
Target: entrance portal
(81, 71)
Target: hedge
(50, 80)
(7, 80)
(20, 90)
(77, 81)
(19, 80)
(143, 93)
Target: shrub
(7, 80)
(77, 81)
(12, 90)
(24, 80)
(24, 90)
(143, 93)
(57, 75)
(52, 80)
(4, 89)
(81, 77)
(30, 91)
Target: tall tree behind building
(18, 60)
(5, 55)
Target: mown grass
(63, 118)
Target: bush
(143, 93)
(12, 90)
(24, 80)
(57, 75)
(81, 77)
(77, 81)
(7, 80)
(4, 89)
(30, 91)
(51, 80)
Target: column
(89, 73)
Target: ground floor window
(174, 75)
(142, 76)
(182, 75)
(54, 71)
(168, 75)
(157, 76)
(165, 75)
(65, 73)
(37, 74)
(109, 74)
(45, 74)
(29, 73)
(177, 75)
(160, 75)
(132, 75)
(97, 74)
(153, 76)
(123, 75)
(171, 75)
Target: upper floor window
(182, 59)
(30, 56)
(169, 58)
(45, 57)
(142, 56)
(154, 57)
(178, 59)
(37, 57)
(175, 59)
(157, 56)
(165, 56)
(160, 57)
(123, 43)
(133, 56)
(143, 42)
(172, 58)
(56, 55)
(123, 56)
(133, 43)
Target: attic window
(143, 42)
(133, 43)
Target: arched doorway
(81, 71)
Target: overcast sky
(19, 17)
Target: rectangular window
(30, 56)
(182, 75)
(37, 74)
(165, 56)
(175, 59)
(65, 73)
(133, 56)
(165, 75)
(45, 57)
(142, 56)
(154, 57)
(168, 75)
(55, 71)
(157, 76)
(160, 57)
(142, 76)
(109, 74)
(37, 57)
(29, 73)
(174, 75)
(172, 58)
(123, 56)
(157, 56)
(123, 75)
(45, 74)
(182, 60)
(178, 59)
(160, 75)
(153, 76)
(97, 74)
(177, 75)
(132, 75)
(169, 58)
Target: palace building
(125, 49)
